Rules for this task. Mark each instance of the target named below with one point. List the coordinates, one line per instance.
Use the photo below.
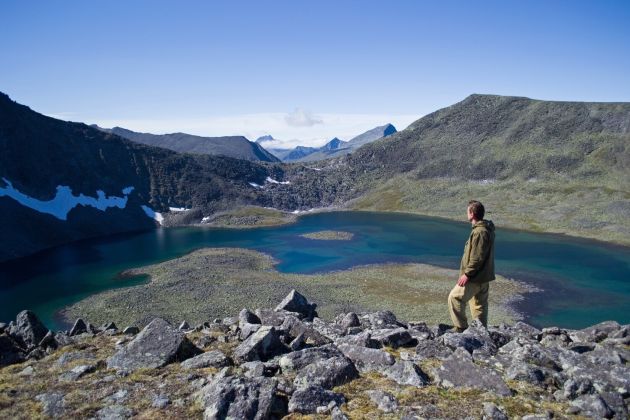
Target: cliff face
(268, 363)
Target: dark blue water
(582, 282)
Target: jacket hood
(485, 224)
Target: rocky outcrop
(355, 364)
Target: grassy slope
(219, 282)
(537, 165)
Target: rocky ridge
(286, 361)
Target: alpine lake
(577, 282)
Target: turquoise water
(582, 282)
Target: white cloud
(252, 126)
(302, 118)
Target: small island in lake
(329, 235)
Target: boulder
(53, 404)
(329, 330)
(114, 412)
(327, 373)
(459, 371)
(295, 302)
(10, 351)
(262, 345)
(131, 330)
(364, 339)
(593, 405)
(432, 349)
(28, 330)
(272, 318)
(420, 331)
(308, 400)
(382, 319)
(214, 358)
(247, 330)
(79, 327)
(367, 359)
(184, 326)
(157, 345)
(404, 372)
(247, 317)
(349, 320)
(383, 400)
(595, 333)
(492, 412)
(239, 398)
(110, 326)
(298, 360)
(77, 372)
(394, 337)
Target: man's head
(475, 211)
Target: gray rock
(364, 339)
(595, 333)
(292, 327)
(272, 318)
(492, 412)
(160, 401)
(382, 319)
(616, 403)
(214, 358)
(254, 369)
(184, 326)
(48, 342)
(247, 330)
(3, 326)
(574, 387)
(295, 302)
(367, 359)
(247, 317)
(337, 414)
(157, 345)
(27, 371)
(239, 398)
(79, 327)
(114, 412)
(404, 372)
(349, 320)
(52, 404)
(522, 329)
(297, 343)
(309, 399)
(131, 330)
(420, 331)
(76, 373)
(473, 338)
(326, 373)
(430, 349)
(28, 330)
(458, 371)
(262, 345)
(329, 330)
(298, 360)
(593, 405)
(394, 337)
(110, 326)
(523, 372)
(10, 351)
(383, 400)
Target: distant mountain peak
(334, 144)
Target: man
(476, 271)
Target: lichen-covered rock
(385, 401)
(157, 345)
(593, 405)
(10, 351)
(308, 400)
(458, 371)
(595, 333)
(298, 360)
(382, 319)
(53, 404)
(296, 302)
(247, 317)
(348, 320)
(327, 373)
(429, 349)
(235, 397)
(394, 337)
(262, 345)
(28, 330)
(405, 372)
(79, 327)
(492, 412)
(367, 359)
(364, 339)
(214, 358)
(114, 412)
(77, 372)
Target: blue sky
(303, 71)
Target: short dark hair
(477, 209)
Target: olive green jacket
(478, 259)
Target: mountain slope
(542, 165)
(232, 146)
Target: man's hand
(462, 280)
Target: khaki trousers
(476, 294)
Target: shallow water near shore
(581, 282)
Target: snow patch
(64, 200)
(177, 209)
(273, 181)
(153, 214)
(205, 219)
(253, 184)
